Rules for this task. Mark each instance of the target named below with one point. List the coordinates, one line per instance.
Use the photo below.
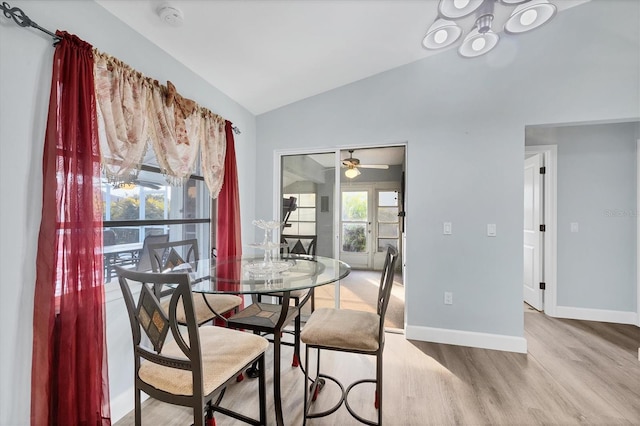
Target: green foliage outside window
(354, 239)
(154, 207)
(354, 206)
(129, 209)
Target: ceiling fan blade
(147, 184)
(374, 166)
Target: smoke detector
(170, 15)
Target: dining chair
(164, 256)
(179, 362)
(347, 330)
(144, 261)
(298, 245)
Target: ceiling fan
(353, 164)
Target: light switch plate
(447, 228)
(491, 229)
(574, 227)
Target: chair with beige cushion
(186, 364)
(176, 254)
(297, 245)
(352, 331)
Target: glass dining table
(262, 277)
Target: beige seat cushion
(221, 303)
(224, 353)
(343, 329)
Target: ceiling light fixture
(352, 172)
(527, 15)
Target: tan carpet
(359, 291)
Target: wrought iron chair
(300, 244)
(144, 262)
(194, 366)
(352, 331)
(171, 254)
(297, 245)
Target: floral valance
(135, 112)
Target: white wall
(464, 121)
(597, 190)
(25, 77)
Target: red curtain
(69, 380)
(228, 235)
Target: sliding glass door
(308, 191)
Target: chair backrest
(299, 244)
(108, 237)
(168, 254)
(386, 283)
(147, 316)
(144, 263)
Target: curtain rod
(21, 18)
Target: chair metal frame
(310, 249)
(157, 258)
(157, 253)
(148, 240)
(310, 393)
(190, 348)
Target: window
(302, 221)
(355, 211)
(149, 206)
(388, 224)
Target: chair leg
(314, 388)
(209, 419)
(138, 408)
(317, 381)
(199, 413)
(306, 386)
(379, 385)
(296, 340)
(262, 392)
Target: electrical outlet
(448, 298)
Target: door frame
(277, 194)
(550, 156)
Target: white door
(533, 258)
(355, 228)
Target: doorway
(353, 201)
(534, 228)
(541, 269)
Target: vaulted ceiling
(266, 54)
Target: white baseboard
(472, 339)
(122, 404)
(601, 315)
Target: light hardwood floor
(359, 291)
(576, 372)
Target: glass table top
(252, 275)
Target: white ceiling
(267, 54)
